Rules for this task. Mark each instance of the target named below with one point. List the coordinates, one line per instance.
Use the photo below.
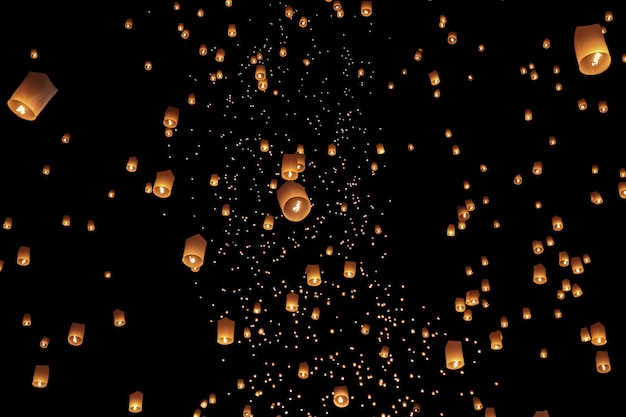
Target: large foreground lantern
(592, 53)
(32, 95)
(293, 201)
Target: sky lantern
(40, 376)
(163, 184)
(193, 252)
(454, 354)
(32, 95)
(340, 396)
(76, 334)
(225, 331)
(592, 52)
(293, 201)
(135, 402)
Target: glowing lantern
(418, 54)
(433, 76)
(537, 247)
(293, 201)
(366, 8)
(478, 405)
(193, 253)
(268, 222)
(40, 376)
(537, 168)
(66, 221)
(163, 184)
(283, 51)
(289, 167)
(598, 334)
(170, 119)
(264, 145)
(496, 340)
(119, 320)
(454, 354)
(232, 30)
(219, 55)
(603, 364)
(131, 164)
(526, 313)
(225, 331)
(226, 210)
(563, 259)
(241, 384)
(212, 398)
(484, 285)
(472, 297)
(214, 180)
(592, 52)
(91, 226)
(558, 313)
(349, 269)
(44, 342)
(8, 223)
(259, 72)
(459, 304)
(332, 151)
(76, 334)
(135, 402)
(26, 320)
(504, 322)
(303, 370)
(315, 314)
(539, 274)
(288, 12)
(585, 336)
(313, 275)
(384, 352)
(365, 329)
(340, 396)
(291, 303)
(452, 38)
(490, 412)
(467, 315)
(32, 95)
(303, 22)
(543, 353)
(23, 256)
(557, 223)
(577, 265)
(582, 104)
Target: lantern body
(23, 256)
(289, 168)
(349, 269)
(225, 331)
(340, 396)
(170, 119)
(539, 274)
(291, 304)
(268, 223)
(40, 376)
(313, 275)
(293, 201)
(303, 370)
(32, 95)
(592, 53)
(119, 319)
(193, 253)
(76, 334)
(163, 184)
(454, 354)
(598, 334)
(135, 402)
(603, 364)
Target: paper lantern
(452, 38)
(293, 201)
(163, 184)
(349, 269)
(459, 304)
(592, 52)
(365, 329)
(40, 376)
(219, 55)
(291, 303)
(384, 352)
(264, 145)
(131, 164)
(212, 398)
(119, 319)
(23, 256)
(193, 253)
(8, 223)
(467, 315)
(232, 30)
(576, 263)
(247, 333)
(315, 314)
(603, 364)
(341, 398)
(256, 309)
(135, 402)
(313, 275)
(433, 76)
(26, 320)
(526, 315)
(32, 95)
(454, 354)
(259, 72)
(472, 297)
(170, 119)
(225, 331)
(495, 338)
(303, 370)
(289, 167)
(226, 210)
(366, 8)
(44, 342)
(214, 180)
(490, 412)
(504, 322)
(598, 334)
(76, 334)
(557, 223)
(539, 274)
(268, 222)
(478, 405)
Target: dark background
(409, 276)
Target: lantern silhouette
(135, 402)
(225, 331)
(603, 364)
(40, 376)
(193, 253)
(303, 370)
(340, 396)
(170, 119)
(293, 201)
(23, 256)
(291, 303)
(592, 52)
(454, 354)
(598, 334)
(76, 334)
(32, 95)
(313, 275)
(163, 184)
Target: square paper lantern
(32, 95)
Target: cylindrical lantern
(576, 263)
(384, 352)
(496, 340)
(313, 275)
(40, 376)
(340, 396)
(293, 201)
(135, 402)
(454, 354)
(459, 304)
(131, 164)
(119, 320)
(472, 297)
(585, 336)
(598, 334)
(365, 329)
(504, 322)
(32, 95)
(291, 303)
(76, 334)
(247, 411)
(433, 76)
(289, 167)
(268, 223)
(225, 331)
(193, 253)
(603, 364)
(349, 269)
(592, 52)
(478, 405)
(539, 274)
(163, 183)
(170, 119)
(366, 8)
(26, 320)
(557, 223)
(526, 315)
(23, 256)
(44, 342)
(259, 72)
(303, 370)
(315, 314)
(490, 412)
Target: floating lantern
(76, 334)
(163, 184)
(592, 52)
(40, 376)
(293, 201)
(32, 95)
(454, 354)
(193, 253)
(225, 331)
(341, 398)
(135, 402)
